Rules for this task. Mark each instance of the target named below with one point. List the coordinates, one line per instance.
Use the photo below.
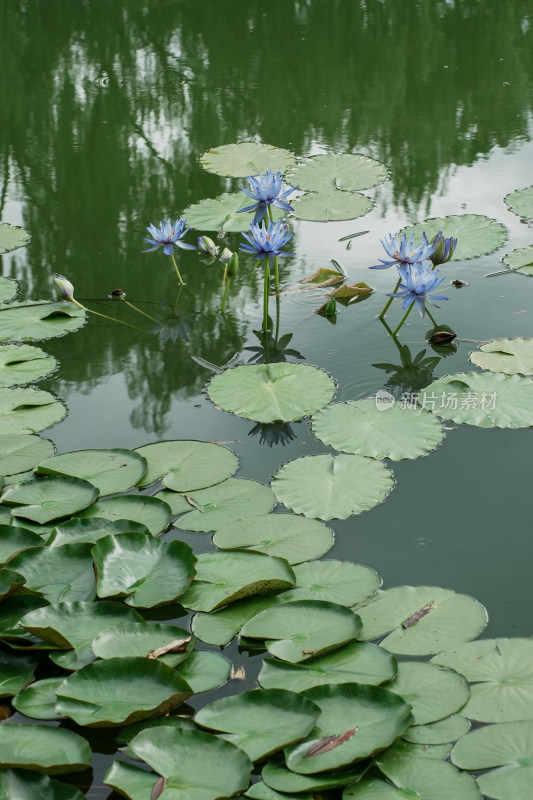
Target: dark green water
(106, 108)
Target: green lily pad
(127, 733)
(39, 699)
(281, 779)
(8, 289)
(144, 570)
(119, 691)
(509, 746)
(361, 427)
(21, 477)
(45, 499)
(12, 237)
(421, 619)
(521, 202)
(43, 748)
(130, 781)
(91, 530)
(20, 452)
(374, 789)
(486, 399)
(16, 671)
(149, 511)
(23, 363)
(245, 159)
(11, 612)
(223, 213)
(339, 582)
(204, 670)
(520, 260)
(338, 171)
(13, 540)
(303, 629)
(38, 319)
(512, 356)
(58, 573)
(332, 487)
(476, 234)
(357, 721)
(357, 662)
(232, 500)
(10, 582)
(283, 535)
(260, 721)
(177, 503)
(281, 391)
(195, 765)
(127, 639)
(441, 732)
(500, 672)
(26, 785)
(425, 778)
(110, 471)
(331, 205)
(432, 692)
(222, 578)
(221, 626)
(187, 465)
(28, 410)
(260, 791)
(402, 748)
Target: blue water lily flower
(402, 251)
(266, 241)
(265, 189)
(417, 284)
(168, 235)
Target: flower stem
(105, 316)
(226, 290)
(265, 296)
(140, 311)
(177, 270)
(403, 318)
(387, 305)
(431, 317)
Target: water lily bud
(444, 249)
(233, 265)
(64, 287)
(207, 246)
(225, 255)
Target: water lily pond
(264, 529)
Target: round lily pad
(12, 610)
(90, 530)
(131, 781)
(424, 778)
(432, 692)
(487, 399)
(204, 670)
(43, 748)
(331, 205)
(12, 237)
(260, 791)
(21, 452)
(332, 487)
(177, 503)
(26, 785)
(13, 540)
(277, 776)
(23, 363)
(246, 159)
(283, 535)
(512, 356)
(39, 699)
(28, 410)
(45, 499)
(149, 511)
(303, 629)
(500, 672)
(58, 573)
(119, 691)
(521, 260)
(232, 500)
(111, 471)
(373, 789)
(361, 427)
(251, 720)
(357, 662)
(339, 582)
(401, 748)
(421, 619)
(357, 721)
(8, 289)
(476, 234)
(338, 171)
(223, 213)
(187, 465)
(521, 202)
(445, 730)
(509, 746)
(38, 319)
(142, 639)
(16, 671)
(272, 392)
(221, 626)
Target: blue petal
(185, 246)
(260, 213)
(420, 304)
(167, 249)
(247, 208)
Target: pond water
(106, 111)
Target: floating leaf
(451, 618)
(111, 471)
(59, 573)
(43, 748)
(10, 582)
(130, 781)
(339, 582)
(357, 662)
(223, 213)
(501, 675)
(303, 629)
(424, 778)
(332, 205)
(38, 319)
(149, 511)
(8, 289)
(521, 202)
(204, 670)
(324, 277)
(12, 237)
(187, 465)
(416, 683)
(351, 293)
(28, 410)
(23, 363)
(16, 671)
(39, 699)
(119, 691)
(260, 791)
(272, 392)
(251, 720)
(489, 400)
(361, 426)
(45, 499)
(225, 577)
(231, 500)
(445, 730)
(338, 171)
(11, 612)
(246, 159)
(91, 530)
(25, 785)
(281, 779)
(512, 356)
(221, 626)
(332, 487)
(476, 234)
(521, 260)
(177, 503)
(142, 639)
(509, 746)
(402, 748)
(20, 452)
(13, 540)
(283, 535)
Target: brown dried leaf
(238, 673)
(442, 337)
(175, 646)
(324, 277)
(329, 743)
(159, 785)
(417, 616)
(351, 290)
